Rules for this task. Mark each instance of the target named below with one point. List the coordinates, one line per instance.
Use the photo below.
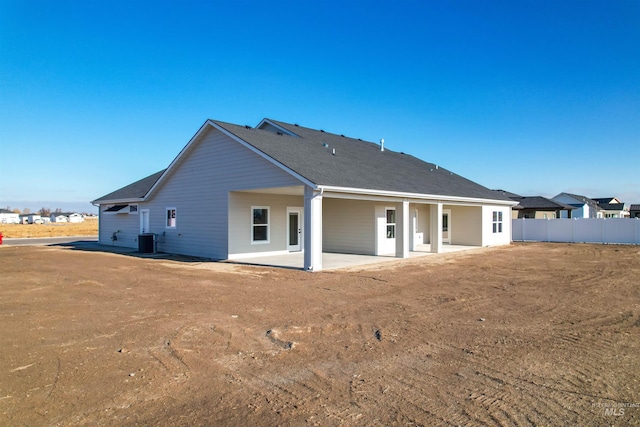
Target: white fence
(577, 230)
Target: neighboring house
(611, 207)
(634, 211)
(235, 192)
(66, 217)
(584, 206)
(8, 217)
(58, 217)
(75, 217)
(538, 207)
(35, 219)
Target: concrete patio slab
(334, 261)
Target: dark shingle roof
(507, 193)
(137, 190)
(540, 203)
(356, 164)
(603, 200)
(634, 208)
(611, 206)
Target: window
(171, 217)
(133, 209)
(260, 224)
(497, 221)
(391, 223)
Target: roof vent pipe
(382, 144)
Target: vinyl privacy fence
(577, 230)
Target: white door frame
(298, 247)
(144, 221)
(446, 239)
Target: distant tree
(45, 211)
(16, 211)
(58, 210)
(26, 211)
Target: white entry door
(294, 229)
(144, 221)
(446, 226)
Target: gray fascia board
(114, 201)
(415, 196)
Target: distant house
(584, 206)
(611, 207)
(537, 207)
(66, 217)
(58, 217)
(34, 219)
(634, 211)
(236, 192)
(75, 217)
(8, 217)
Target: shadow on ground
(93, 246)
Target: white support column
(312, 229)
(436, 228)
(403, 225)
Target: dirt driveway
(532, 334)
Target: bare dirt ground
(531, 334)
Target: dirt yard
(532, 334)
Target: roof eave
(114, 201)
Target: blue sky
(535, 97)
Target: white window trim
(175, 222)
(497, 224)
(268, 225)
(387, 224)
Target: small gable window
(171, 217)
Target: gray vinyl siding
(198, 188)
(466, 225)
(348, 226)
(127, 226)
(240, 206)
